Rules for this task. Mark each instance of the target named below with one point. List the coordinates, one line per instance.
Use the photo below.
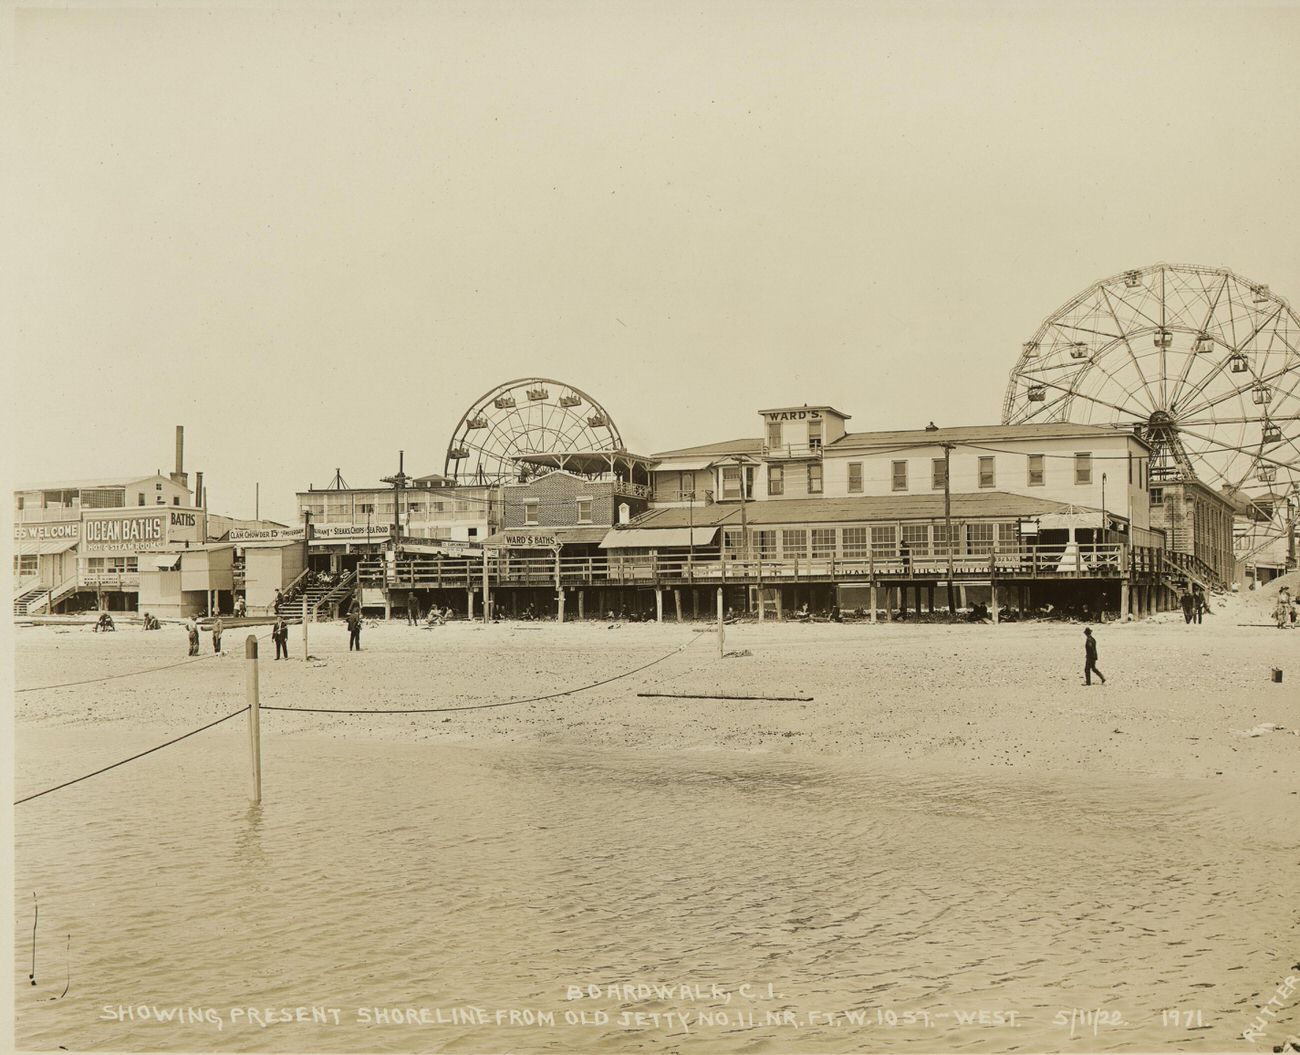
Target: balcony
(793, 452)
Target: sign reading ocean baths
(140, 532)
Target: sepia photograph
(744, 526)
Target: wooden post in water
(722, 630)
(254, 715)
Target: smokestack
(179, 477)
(198, 489)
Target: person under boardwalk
(413, 610)
(354, 630)
(217, 628)
(1090, 658)
(280, 635)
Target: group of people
(192, 631)
(1194, 605)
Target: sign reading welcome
(46, 532)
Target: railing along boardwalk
(1111, 560)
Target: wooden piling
(254, 714)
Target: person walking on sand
(217, 628)
(1280, 611)
(1090, 658)
(354, 630)
(1189, 605)
(192, 630)
(280, 635)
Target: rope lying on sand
(185, 736)
(489, 706)
(128, 674)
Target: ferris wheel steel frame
(489, 436)
(1203, 362)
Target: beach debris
(725, 696)
(740, 653)
(1260, 730)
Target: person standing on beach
(192, 629)
(280, 635)
(1189, 604)
(1090, 658)
(413, 610)
(354, 630)
(217, 628)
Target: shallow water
(464, 883)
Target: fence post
(304, 627)
(254, 715)
(722, 630)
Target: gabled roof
(83, 485)
(839, 510)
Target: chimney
(198, 490)
(179, 477)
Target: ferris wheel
(530, 415)
(1205, 363)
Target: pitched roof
(840, 510)
(107, 481)
(749, 446)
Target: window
(160, 501)
(815, 478)
(776, 479)
(530, 511)
(898, 475)
(1037, 475)
(765, 544)
(20, 501)
(158, 486)
(1083, 468)
(855, 478)
(584, 510)
(884, 540)
(773, 434)
(472, 532)
(1130, 468)
(979, 539)
(917, 537)
(941, 540)
(140, 501)
(794, 543)
(25, 565)
(823, 543)
(176, 500)
(1008, 538)
(368, 507)
(938, 473)
(854, 542)
(814, 435)
(414, 507)
(987, 478)
(686, 486)
(1157, 496)
(731, 481)
(731, 542)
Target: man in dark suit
(280, 635)
(1090, 658)
(354, 630)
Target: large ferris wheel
(530, 415)
(1205, 363)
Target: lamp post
(947, 517)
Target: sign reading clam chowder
(47, 532)
(285, 534)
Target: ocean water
(391, 897)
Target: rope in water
(186, 736)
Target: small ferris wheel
(1205, 363)
(531, 415)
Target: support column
(677, 602)
(762, 605)
(695, 603)
(929, 599)
(993, 587)
(659, 604)
(469, 604)
(889, 604)
(961, 596)
(388, 604)
(582, 604)
(779, 615)
(873, 601)
(1123, 601)
(559, 605)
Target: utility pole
(947, 517)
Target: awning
(44, 546)
(683, 465)
(658, 538)
(166, 561)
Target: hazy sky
(313, 235)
